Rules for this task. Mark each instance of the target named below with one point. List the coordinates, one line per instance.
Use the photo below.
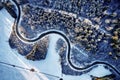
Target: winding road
(68, 57)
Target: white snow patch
(6, 53)
(99, 71)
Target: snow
(102, 71)
(50, 65)
(6, 53)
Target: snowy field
(50, 65)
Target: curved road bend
(64, 36)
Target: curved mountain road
(68, 57)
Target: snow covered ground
(50, 65)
